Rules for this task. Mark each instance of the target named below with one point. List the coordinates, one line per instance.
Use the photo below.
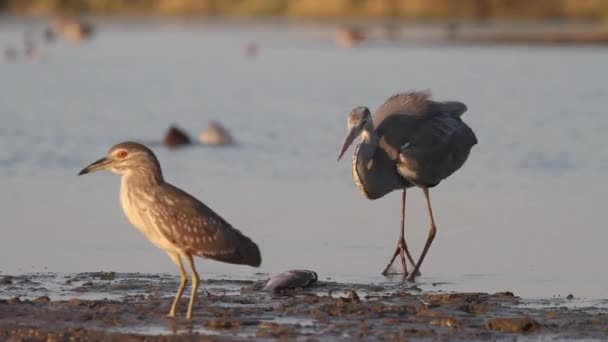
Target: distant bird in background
(48, 35)
(11, 54)
(251, 50)
(175, 137)
(348, 37)
(171, 219)
(410, 141)
(73, 29)
(216, 134)
(31, 51)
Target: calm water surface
(526, 213)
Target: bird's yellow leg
(183, 281)
(195, 280)
(429, 239)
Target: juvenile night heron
(171, 219)
(411, 141)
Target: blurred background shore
(464, 21)
(411, 9)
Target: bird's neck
(369, 143)
(142, 177)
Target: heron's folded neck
(369, 143)
(369, 136)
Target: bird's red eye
(122, 154)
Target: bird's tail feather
(245, 252)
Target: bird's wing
(438, 148)
(453, 108)
(194, 227)
(413, 103)
(401, 115)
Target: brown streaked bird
(410, 141)
(171, 219)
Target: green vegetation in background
(405, 9)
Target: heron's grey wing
(413, 103)
(438, 148)
(194, 227)
(453, 108)
(400, 115)
(398, 129)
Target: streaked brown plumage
(207, 234)
(171, 219)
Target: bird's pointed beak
(352, 135)
(100, 164)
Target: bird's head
(125, 158)
(359, 119)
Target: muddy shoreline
(112, 306)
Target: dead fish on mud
(292, 279)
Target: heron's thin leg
(183, 281)
(398, 250)
(401, 244)
(404, 249)
(429, 239)
(195, 280)
(402, 241)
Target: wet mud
(111, 306)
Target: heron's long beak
(352, 135)
(96, 166)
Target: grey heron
(409, 141)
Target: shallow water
(524, 214)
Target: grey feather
(401, 114)
(438, 148)
(437, 143)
